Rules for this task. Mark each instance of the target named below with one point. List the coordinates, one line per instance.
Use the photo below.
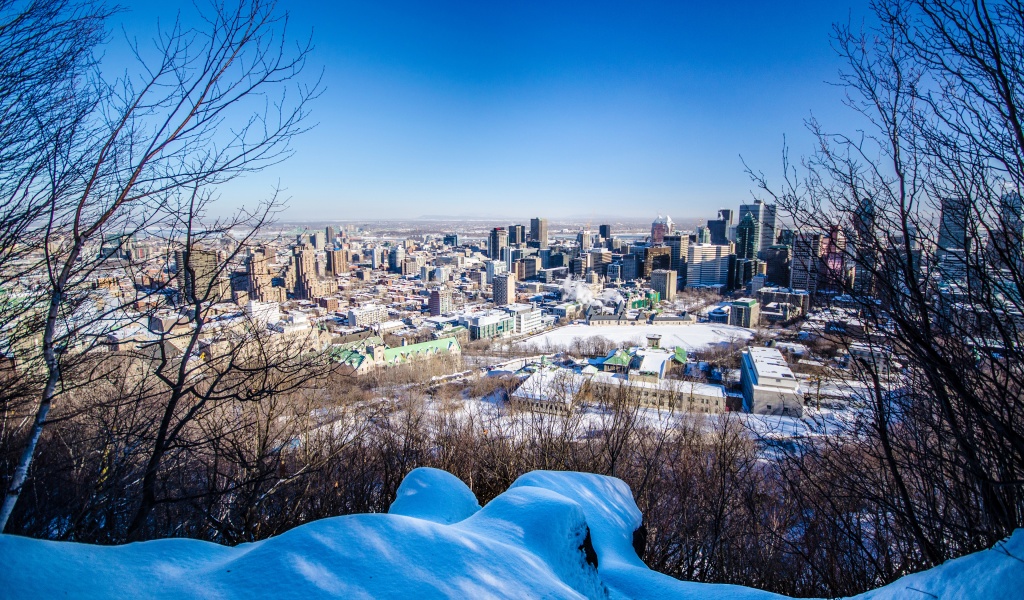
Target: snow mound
(434, 495)
(551, 535)
(996, 574)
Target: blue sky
(548, 108)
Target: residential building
(504, 289)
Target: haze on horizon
(482, 110)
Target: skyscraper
(539, 231)
(395, 258)
(806, 264)
(516, 235)
(768, 228)
(746, 237)
(707, 264)
(496, 241)
(677, 244)
(719, 228)
(605, 231)
(661, 227)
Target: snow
(541, 538)
(434, 495)
(691, 337)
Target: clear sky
(519, 109)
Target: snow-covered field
(550, 535)
(691, 337)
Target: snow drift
(551, 535)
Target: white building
(528, 318)
(707, 264)
(769, 386)
(365, 316)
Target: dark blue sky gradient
(549, 108)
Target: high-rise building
(331, 234)
(663, 281)
(441, 301)
(777, 259)
(658, 257)
(395, 258)
(493, 268)
(661, 227)
(756, 212)
(864, 248)
(747, 239)
(451, 239)
(306, 280)
(605, 231)
(719, 228)
(953, 234)
(768, 227)
(539, 232)
(496, 241)
(337, 262)
(516, 235)
(707, 264)
(677, 244)
(504, 289)
(806, 263)
(199, 276)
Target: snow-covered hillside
(551, 535)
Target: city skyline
(466, 110)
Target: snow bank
(434, 495)
(551, 535)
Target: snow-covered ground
(691, 337)
(551, 535)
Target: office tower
(329, 230)
(516, 235)
(834, 275)
(504, 289)
(630, 267)
(743, 271)
(605, 231)
(658, 257)
(661, 227)
(806, 262)
(441, 302)
(747, 238)
(707, 264)
(451, 239)
(198, 276)
(663, 281)
(719, 228)
(584, 241)
(677, 244)
(787, 237)
(614, 272)
(539, 232)
(768, 227)
(755, 211)
(777, 259)
(953, 234)
(395, 259)
(496, 241)
(864, 248)
(1006, 244)
(337, 262)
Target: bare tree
(927, 202)
(141, 156)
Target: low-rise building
(769, 386)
